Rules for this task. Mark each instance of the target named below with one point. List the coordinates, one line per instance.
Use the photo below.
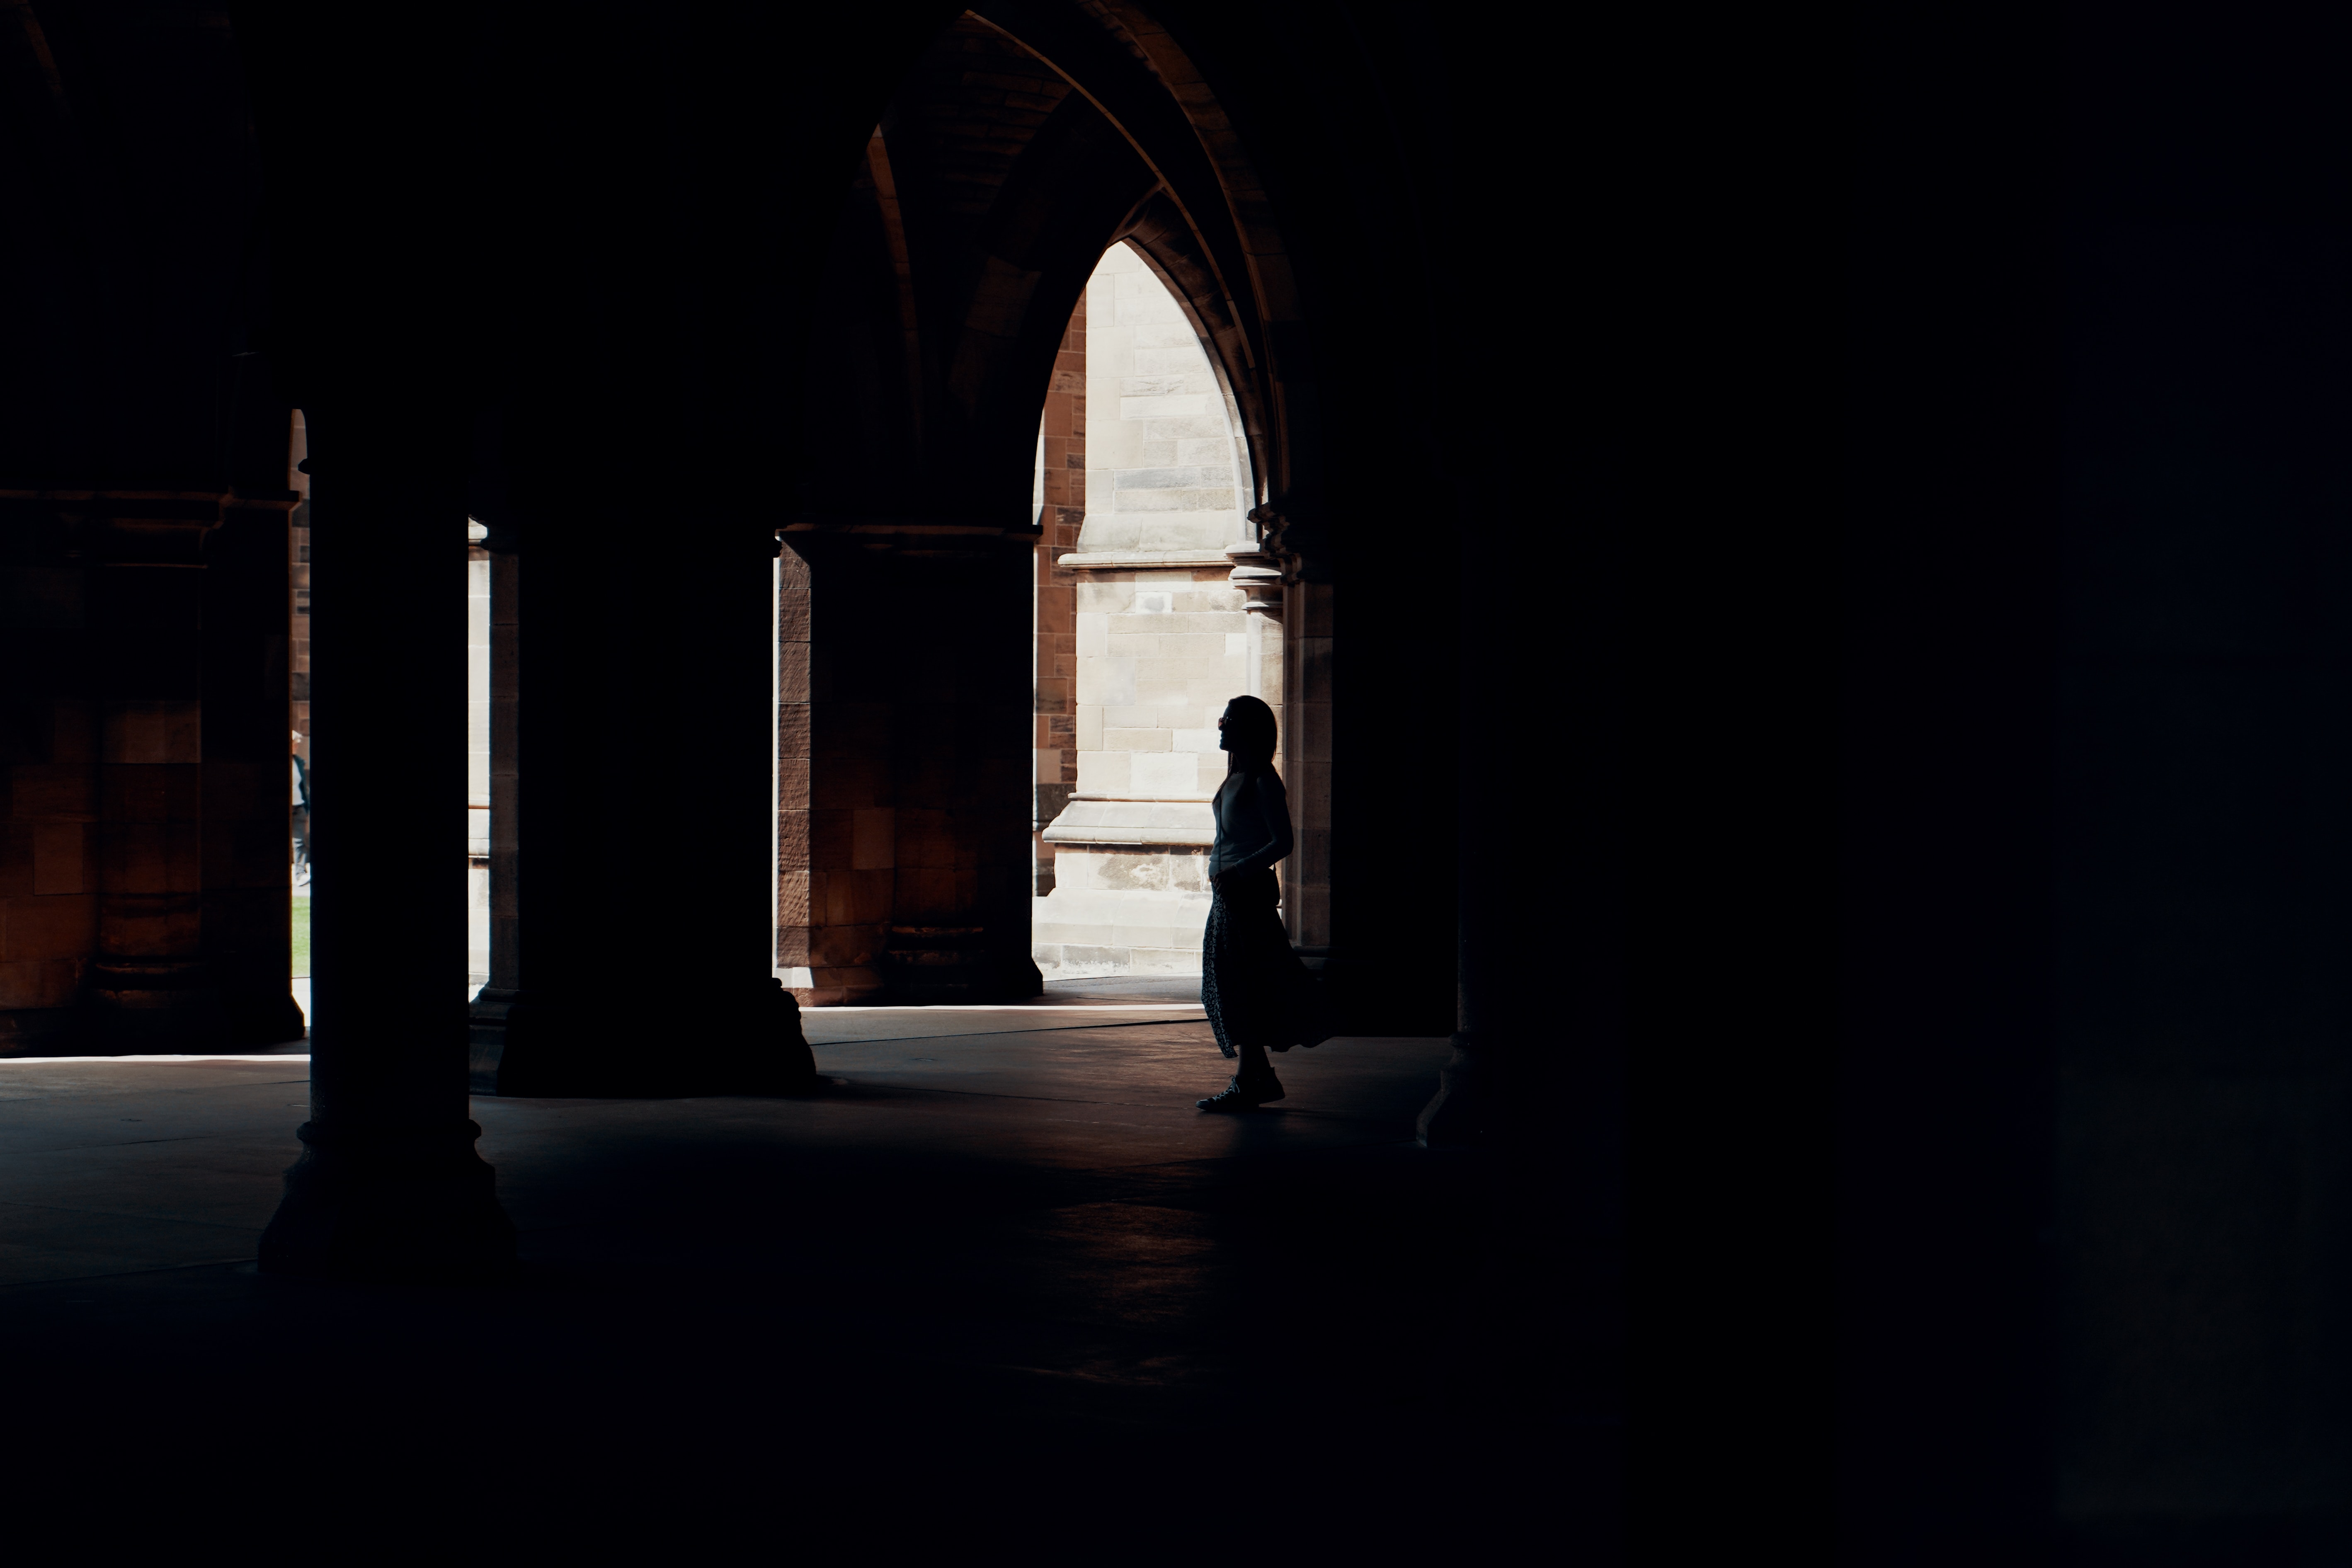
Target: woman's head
(1247, 729)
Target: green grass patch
(301, 970)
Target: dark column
(1308, 711)
(246, 783)
(2199, 923)
(1467, 1109)
(639, 740)
(1383, 972)
(545, 1034)
(388, 1181)
(704, 760)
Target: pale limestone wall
(1123, 910)
(1163, 469)
(1162, 640)
(477, 761)
(1160, 653)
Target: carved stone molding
(1259, 577)
(1285, 540)
(943, 536)
(1140, 560)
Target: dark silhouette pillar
(388, 1181)
(633, 754)
(248, 786)
(632, 748)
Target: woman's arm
(1257, 822)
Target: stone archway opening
(940, 775)
(1155, 605)
(956, 812)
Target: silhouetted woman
(1258, 996)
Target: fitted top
(1253, 814)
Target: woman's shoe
(1240, 1096)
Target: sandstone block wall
(1060, 498)
(49, 847)
(144, 783)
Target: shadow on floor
(1002, 1294)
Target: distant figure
(302, 814)
(1258, 996)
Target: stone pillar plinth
(1131, 887)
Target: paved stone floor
(998, 1282)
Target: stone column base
(371, 1203)
(1465, 1113)
(38, 1031)
(1131, 887)
(843, 986)
(268, 1020)
(735, 1040)
(486, 1037)
(948, 964)
(167, 1006)
(490, 1004)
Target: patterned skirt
(1255, 991)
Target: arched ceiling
(129, 186)
(1026, 138)
(820, 264)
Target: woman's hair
(1249, 728)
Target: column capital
(1260, 578)
(137, 528)
(261, 501)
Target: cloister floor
(998, 1264)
